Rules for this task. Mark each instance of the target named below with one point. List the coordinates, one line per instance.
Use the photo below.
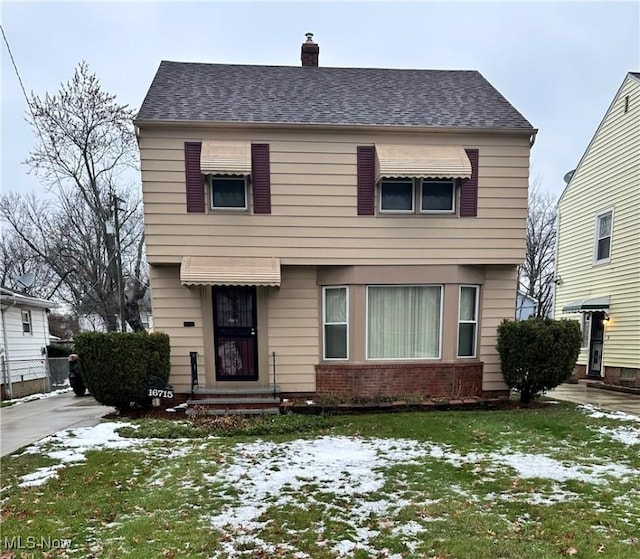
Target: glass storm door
(596, 344)
(234, 332)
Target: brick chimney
(310, 51)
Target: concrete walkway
(26, 423)
(581, 394)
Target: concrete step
(233, 411)
(232, 392)
(240, 400)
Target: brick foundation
(617, 376)
(397, 380)
(622, 376)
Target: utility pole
(117, 264)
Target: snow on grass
(270, 474)
(623, 434)
(596, 412)
(71, 446)
(298, 473)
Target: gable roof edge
(331, 126)
(628, 76)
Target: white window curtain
(403, 322)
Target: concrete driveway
(26, 423)
(582, 394)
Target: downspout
(6, 379)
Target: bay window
(403, 321)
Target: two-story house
(343, 231)
(598, 250)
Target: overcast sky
(560, 64)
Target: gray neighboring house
(525, 306)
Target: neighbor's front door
(596, 344)
(234, 331)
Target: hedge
(115, 365)
(537, 354)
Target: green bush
(537, 354)
(115, 365)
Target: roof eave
(328, 126)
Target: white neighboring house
(525, 306)
(24, 337)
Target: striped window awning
(220, 270)
(225, 158)
(588, 305)
(422, 161)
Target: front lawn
(537, 483)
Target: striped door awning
(435, 161)
(221, 270)
(587, 305)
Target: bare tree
(536, 275)
(90, 237)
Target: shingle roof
(317, 95)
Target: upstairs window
(27, 327)
(604, 228)
(438, 196)
(396, 195)
(228, 193)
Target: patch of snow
(540, 466)
(38, 396)
(310, 402)
(40, 476)
(341, 466)
(623, 434)
(596, 412)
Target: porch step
(233, 411)
(228, 392)
(232, 401)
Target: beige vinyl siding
(314, 203)
(172, 305)
(293, 330)
(498, 303)
(608, 177)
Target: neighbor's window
(604, 226)
(467, 321)
(335, 322)
(396, 195)
(228, 193)
(586, 328)
(403, 321)
(438, 196)
(26, 322)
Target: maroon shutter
(366, 180)
(194, 177)
(261, 178)
(469, 188)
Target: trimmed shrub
(537, 354)
(115, 365)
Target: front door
(234, 332)
(596, 343)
